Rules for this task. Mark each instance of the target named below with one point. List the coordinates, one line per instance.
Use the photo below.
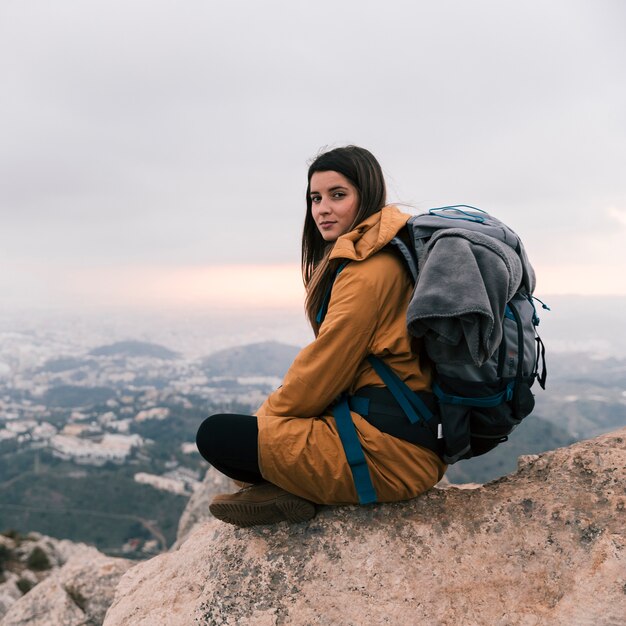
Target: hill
(532, 436)
(74, 396)
(134, 349)
(268, 358)
(584, 394)
(66, 363)
(101, 506)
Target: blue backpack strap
(359, 405)
(412, 405)
(354, 452)
(456, 212)
(321, 314)
(479, 402)
(345, 426)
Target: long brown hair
(362, 169)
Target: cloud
(141, 287)
(177, 134)
(617, 215)
(587, 279)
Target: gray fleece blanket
(465, 280)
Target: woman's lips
(327, 224)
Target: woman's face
(334, 203)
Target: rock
(525, 459)
(542, 546)
(197, 509)
(77, 594)
(9, 591)
(29, 559)
(57, 551)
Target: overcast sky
(143, 141)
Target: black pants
(229, 442)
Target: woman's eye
(315, 199)
(339, 194)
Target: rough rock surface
(58, 551)
(542, 546)
(9, 592)
(77, 594)
(20, 568)
(197, 509)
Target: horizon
(587, 324)
(224, 286)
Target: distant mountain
(64, 364)
(590, 324)
(134, 349)
(268, 358)
(73, 396)
(532, 436)
(585, 394)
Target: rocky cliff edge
(544, 545)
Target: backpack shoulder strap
(412, 405)
(321, 314)
(407, 255)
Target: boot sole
(282, 509)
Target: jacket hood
(371, 235)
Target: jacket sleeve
(327, 366)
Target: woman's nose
(324, 206)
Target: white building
(157, 413)
(112, 448)
(164, 484)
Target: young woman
(305, 445)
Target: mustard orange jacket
(299, 446)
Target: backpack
(480, 400)
(481, 393)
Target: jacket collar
(371, 235)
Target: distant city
(85, 408)
(119, 416)
(98, 413)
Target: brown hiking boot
(261, 504)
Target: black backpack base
(470, 431)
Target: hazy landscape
(98, 413)
(154, 161)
